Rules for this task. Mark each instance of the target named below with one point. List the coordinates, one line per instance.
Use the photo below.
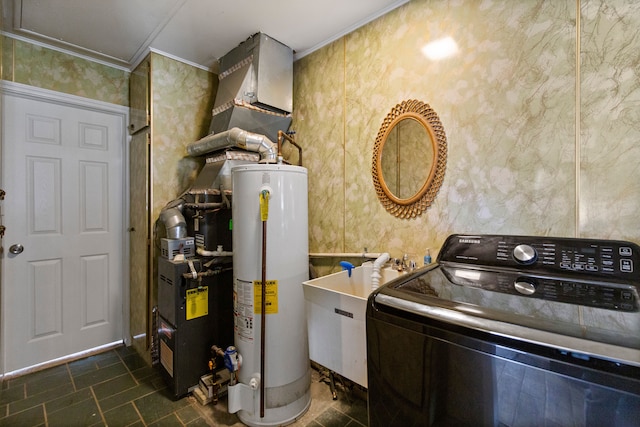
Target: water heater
(270, 239)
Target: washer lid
(474, 298)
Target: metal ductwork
(253, 105)
(255, 90)
(215, 176)
(235, 137)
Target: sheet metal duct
(254, 119)
(216, 173)
(235, 137)
(255, 90)
(253, 103)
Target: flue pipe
(174, 222)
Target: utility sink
(336, 308)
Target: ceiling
(198, 32)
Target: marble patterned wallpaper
(519, 162)
(34, 65)
(181, 102)
(610, 119)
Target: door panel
(63, 173)
(94, 196)
(44, 195)
(45, 286)
(94, 273)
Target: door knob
(16, 249)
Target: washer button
(626, 265)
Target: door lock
(16, 249)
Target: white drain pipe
(377, 266)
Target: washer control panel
(612, 296)
(584, 258)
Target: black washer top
(582, 288)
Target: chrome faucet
(407, 263)
(404, 264)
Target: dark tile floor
(117, 388)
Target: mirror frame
(415, 205)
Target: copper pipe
(299, 151)
(263, 314)
(283, 135)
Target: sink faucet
(407, 263)
(404, 264)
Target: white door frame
(45, 95)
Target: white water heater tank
(287, 371)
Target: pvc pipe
(344, 255)
(219, 252)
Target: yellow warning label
(264, 205)
(271, 297)
(197, 302)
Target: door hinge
(2, 230)
(2, 194)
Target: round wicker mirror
(409, 159)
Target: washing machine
(509, 330)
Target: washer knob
(525, 286)
(525, 254)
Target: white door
(62, 170)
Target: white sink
(336, 307)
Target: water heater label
(243, 310)
(197, 302)
(271, 297)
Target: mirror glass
(409, 159)
(407, 156)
